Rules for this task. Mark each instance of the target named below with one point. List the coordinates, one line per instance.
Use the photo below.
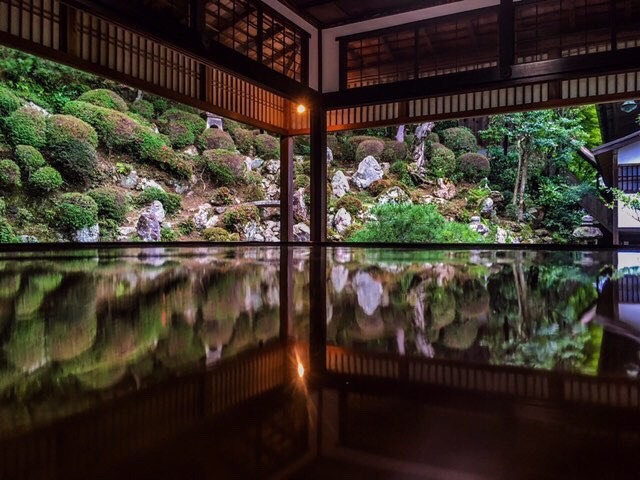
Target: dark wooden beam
(318, 174)
(286, 189)
(507, 37)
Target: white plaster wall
(626, 217)
(330, 48)
(629, 154)
(313, 41)
(628, 259)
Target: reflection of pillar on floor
(286, 294)
(318, 312)
(318, 174)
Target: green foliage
(302, 168)
(26, 126)
(224, 166)
(394, 151)
(244, 140)
(267, 147)
(3, 207)
(401, 171)
(76, 160)
(368, 148)
(152, 148)
(6, 232)
(235, 218)
(123, 168)
(144, 108)
(442, 163)
(9, 102)
(46, 180)
(104, 98)
(62, 129)
(302, 181)
(302, 145)
(222, 196)
(181, 127)
(477, 194)
(217, 234)
(433, 137)
(116, 131)
(444, 125)
(76, 211)
(112, 205)
(473, 166)
(403, 223)
(255, 192)
(29, 159)
(460, 140)
(168, 235)
(186, 227)
(9, 175)
(171, 202)
(351, 204)
(561, 202)
(213, 139)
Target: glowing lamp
(301, 108)
(300, 370)
(628, 106)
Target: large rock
(340, 184)
(394, 195)
(145, 183)
(300, 213)
(156, 209)
(252, 233)
(368, 291)
(445, 190)
(477, 226)
(487, 209)
(368, 172)
(301, 233)
(129, 181)
(148, 226)
(342, 221)
(272, 166)
(329, 156)
(87, 234)
(201, 218)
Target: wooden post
(286, 293)
(506, 37)
(286, 189)
(318, 174)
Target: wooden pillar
(318, 309)
(286, 189)
(318, 206)
(506, 37)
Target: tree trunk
(418, 150)
(514, 201)
(523, 185)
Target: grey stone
(477, 226)
(487, 208)
(190, 151)
(87, 235)
(342, 221)
(145, 183)
(252, 233)
(340, 184)
(272, 166)
(329, 156)
(129, 181)
(301, 232)
(339, 277)
(300, 213)
(213, 121)
(148, 226)
(368, 291)
(501, 236)
(445, 190)
(202, 216)
(28, 239)
(394, 195)
(369, 170)
(157, 210)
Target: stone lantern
(587, 233)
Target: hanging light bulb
(628, 106)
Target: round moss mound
(152, 148)
(9, 175)
(351, 204)
(235, 218)
(65, 128)
(379, 186)
(460, 335)
(76, 211)
(370, 148)
(474, 166)
(9, 102)
(213, 139)
(26, 126)
(102, 97)
(255, 192)
(76, 159)
(224, 166)
(460, 140)
(244, 140)
(302, 181)
(442, 163)
(144, 108)
(267, 147)
(181, 127)
(112, 204)
(29, 159)
(45, 180)
(217, 234)
(171, 202)
(394, 151)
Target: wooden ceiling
(330, 13)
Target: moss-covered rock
(76, 211)
(351, 204)
(394, 151)
(459, 140)
(244, 140)
(181, 127)
(29, 159)
(77, 160)
(153, 149)
(442, 163)
(254, 192)
(302, 181)
(102, 97)
(267, 147)
(26, 126)
(369, 148)
(9, 102)
(460, 335)
(214, 139)
(171, 202)
(25, 347)
(474, 166)
(224, 166)
(379, 186)
(235, 218)
(62, 129)
(9, 175)
(144, 108)
(217, 234)
(112, 204)
(45, 180)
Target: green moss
(76, 211)
(143, 108)
(112, 204)
(442, 163)
(29, 159)
(116, 131)
(267, 147)
(244, 140)
(6, 232)
(224, 167)
(373, 148)
(9, 102)
(302, 168)
(235, 218)
(9, 175)
(181, 127)
(46, 180)
(459, 140)
(474, 166)
(217, 234)
(302, 181)
(171, 202)
(3, 206)
(63, 128)
(169, 235)
(254, 193)
(213, 139)
(187, 227)
(222, 196)
(394, 151)
(26, 126)
(351, 204)
(153, 149)
(104, 98)
(77, 160)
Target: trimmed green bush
(29, 159)
(76, 211)
(351, 204)
(302, 168)
(214, 139)
(224, 166)
(153, 149)
(302, 181)
(349, 146)
(6, 232)
(9, 174)
(235, 218)
(222, 196)
(379, 186)
(171, 202)
(400, 169)
(181, 127)
(442, 163)
(46, 180)
(112, 204)
(76, 160)
(9, 102)
(102, 97)
(267, 147)
(254, 192)
(143, 108)
(217, 234)
(394, 151)
(26, 126)
(460, 140)
(474, 166)
(64, 128)
(432, 137)
(169, 235)
(187, 227)
(373, 148)
(116, 131)
(231, 126)
(244, 140)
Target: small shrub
(394, 151)
(302, 181)
(379, 186)
(432, 137)
(217, 234)
(6, 232)
(153, 149)
(29, 159)
(222, 196)
(237, 217)
(104, 98)
(460, 140)
(45, 180)
(302, 168)
(123, 168)
(349, 146)
(181, 127)
(254, 193)
(373, 148)
(244, 140)
(351, 204)
(144, 108)
(76, 160)
(9, 102)
(224, 166)
(252, 178)
(474, 166)
(112, 205)
(267, 147)
(231, 126)
(9, 175)
(302, 145)
(442, 162)
(401, 171)
(171, 202)
(168, 235)
(186, 227)
(76, 211)
(64, 128)
(213, 139)
(3, 207)
(26, 126)
(116, 131)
